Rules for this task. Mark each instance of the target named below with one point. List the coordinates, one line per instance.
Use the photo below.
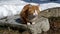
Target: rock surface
(40, 25)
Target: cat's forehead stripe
(36, 11)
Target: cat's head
(33, 11)
(30, 11)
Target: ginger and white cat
(29, 13)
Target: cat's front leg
(28, 23)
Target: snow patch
(7, 9)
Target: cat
(29, 13)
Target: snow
(49, 5)
(9, 7)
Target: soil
(54, 25)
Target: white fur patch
(28, 23)
(35, 14)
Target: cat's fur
(29, 13)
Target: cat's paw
(33, 22)
(28, 24)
